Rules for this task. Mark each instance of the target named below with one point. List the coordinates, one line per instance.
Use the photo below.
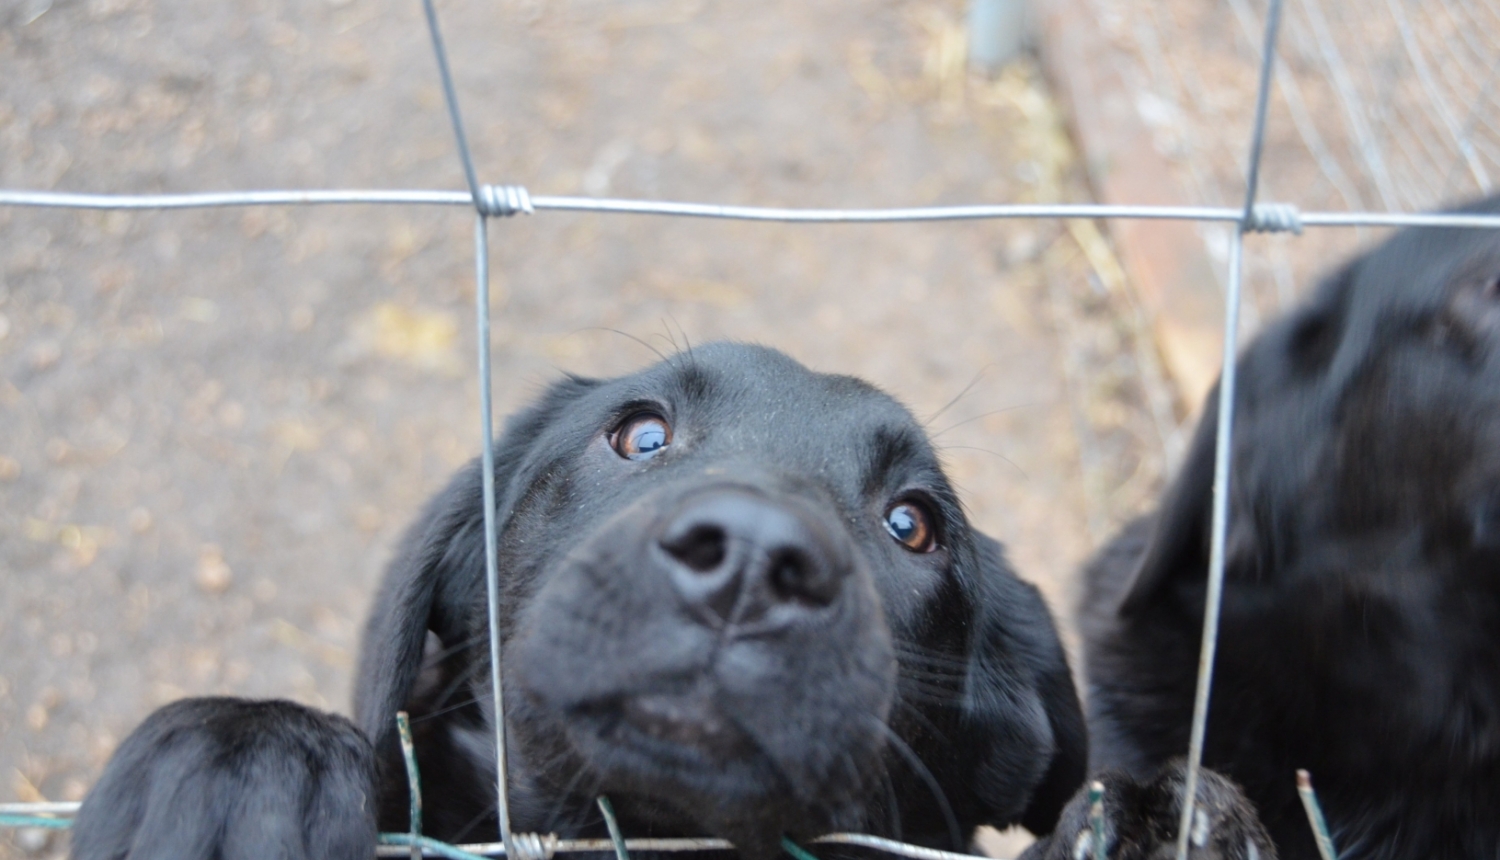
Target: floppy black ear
(436, 580)
(1024, 725)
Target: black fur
(825, 678)
(1361, 613)
(237, 780)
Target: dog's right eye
(911, 525)
(641, 436)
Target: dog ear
(1287, 365)
(1019, 701)
(437, 578)
(1179, 535)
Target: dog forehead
(1429, 281)
(732, 399)
(1416, 270)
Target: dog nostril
(795, 577)
(702, 547)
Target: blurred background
(215, 424)
(1376, 105)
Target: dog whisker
(687, 343)
(462, 833)
(925, 775)
(585, 813)
(892, 805)
(921, 697)
(940, 687)
(916, 693)
(939, 675)
(934, 674)
(959, 396)
(450, 651)
(459, 681)
(457, 706)
(996, 454)
(981, 416)
(792, 786)
(918, 649)
(927, 653)
(917, 715)
(659, 354)
(933, 679)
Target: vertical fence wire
(1223, 443)
(487, 426)
(491, 539)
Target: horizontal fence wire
(1265, 221)
(60, 808)
(397, 844)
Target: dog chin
(678, 764)
(645, 740)
(679, 759)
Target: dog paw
(1140, 821)
(233, 779)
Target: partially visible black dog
(1361, 612)
(738, 597)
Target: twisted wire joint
(502, 201)
(533, 846)
(1274, 218)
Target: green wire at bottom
(428, 844)
(796, 850)
(35, 821)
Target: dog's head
(742, 599)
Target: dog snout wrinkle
(737, 557)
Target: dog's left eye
(641, 436)
(911, 524)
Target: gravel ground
(213, 425)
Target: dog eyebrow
(692, 382)
(887, 448)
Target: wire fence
(1455, 136)
(1384, 105)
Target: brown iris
(911, 524)
(641, 436)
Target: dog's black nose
(742, 556)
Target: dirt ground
(213, 425)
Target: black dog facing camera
(741, 599)
(1361, 615)
(738, 597)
